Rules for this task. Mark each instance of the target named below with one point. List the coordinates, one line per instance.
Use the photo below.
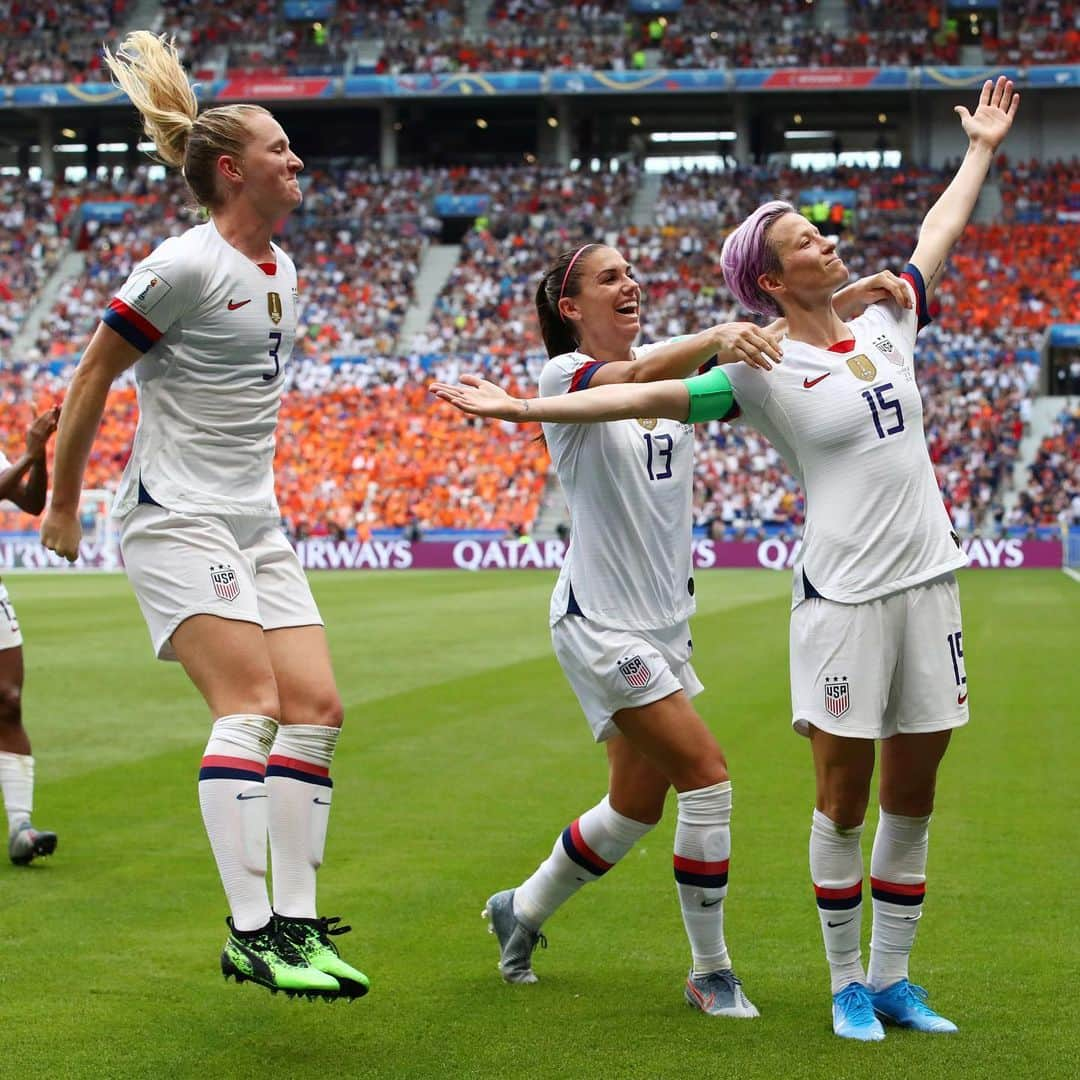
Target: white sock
(586, 850)
(836, 869)
(299, 785)
(233, 804)
(702, 851)
(17, 784)
(898, 887)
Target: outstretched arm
(614, 401)
(942, 226)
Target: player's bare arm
(614, 401)
(852, 300)
(24, 482)
(729, 343)
(986, 129)
(106, 357)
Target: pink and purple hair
(747, 254)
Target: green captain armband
(711, 396)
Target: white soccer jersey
(848, 423)
(628, 486)
(217, 330)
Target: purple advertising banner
(326, 554)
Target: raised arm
(26, 482)
(107, 355)
(942, 226)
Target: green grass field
(463, 756)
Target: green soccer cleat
(311, 940)
(269, 958)
(27, 843)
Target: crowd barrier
(482, 554)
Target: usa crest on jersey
(225, 583)
(837, 698)
(635, 672)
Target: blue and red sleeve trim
(913, 276)
(130, 325)
(583, 375)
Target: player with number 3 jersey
(876, 639)
(208, 321)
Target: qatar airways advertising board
(325, 554)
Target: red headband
(570, 267)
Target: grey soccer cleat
(719, 993)
(516, 940)
(27, 843)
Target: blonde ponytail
(148, 69)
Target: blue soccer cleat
(905, 1004)
(853, 1014)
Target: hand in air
(990, 122)
(746, 342)
(41, 431)
(478, 397)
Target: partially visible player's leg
(300, 790)
(228, 662)
(674, 739)
(843, 768)
(584, 852)
(909, 765)
(930, 699)
(25, 843)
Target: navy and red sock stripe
(221, 767)
(707, 875)
(894, 893)
(842, 899)
(578, 851)
(298, 769)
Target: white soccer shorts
(236, 568)
(612, 669)
(10, 634)
(881, 668)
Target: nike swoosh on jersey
(961, 698)
(241, 797)
(234, 304)
(808, 383)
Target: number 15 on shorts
(956, 653)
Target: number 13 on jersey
(658, 456)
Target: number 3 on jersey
(659, 454)
(275, 345)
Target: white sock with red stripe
(898, 888)
(299, 785)
(702, 851)
(586, 850)
(836, 868)
(233, 802)
(17, 784)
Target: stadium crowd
(361, 446)
(61, 41)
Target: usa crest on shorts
(837, 698)
(635, 672)
(226, 585)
